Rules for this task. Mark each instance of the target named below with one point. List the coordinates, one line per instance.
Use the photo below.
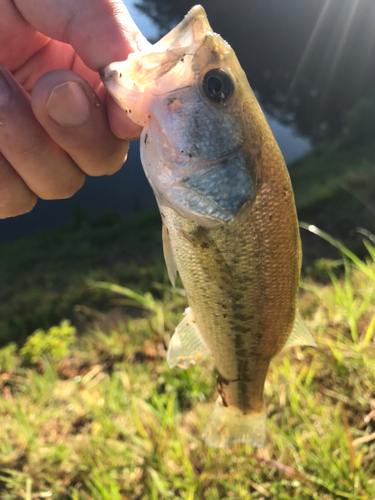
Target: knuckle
(105, 168)
(37, 148)
(115, 161)
(18, 207)
(112, 169)
(63, 190)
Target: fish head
(189, 91)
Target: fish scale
(254, 266)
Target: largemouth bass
(229, 219)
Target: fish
(229, 222)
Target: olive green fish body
(241, 280)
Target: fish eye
(218, 85)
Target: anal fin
(168, 256)
(186, 347)
(300, 335)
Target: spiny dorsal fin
(300, 334)
(168, 256)
(186, 347)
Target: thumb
(100, 31)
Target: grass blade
(343, 249)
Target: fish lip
(195, 24)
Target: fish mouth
(143, 68)
(190, 30)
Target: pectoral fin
(186, 347)
(300, 334)
(168, 256)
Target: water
(305, 61)
(125, 192)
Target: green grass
(334, 187)
(45, 278)
(326, 171)
(99, 415)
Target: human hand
(70, 126)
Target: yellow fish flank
(229, 220)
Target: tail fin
(227, 425)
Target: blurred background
(311, 65)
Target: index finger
(100, 31)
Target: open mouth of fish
(128, 81)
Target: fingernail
(5, 91)
(68, 105)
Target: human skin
(57, 122)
